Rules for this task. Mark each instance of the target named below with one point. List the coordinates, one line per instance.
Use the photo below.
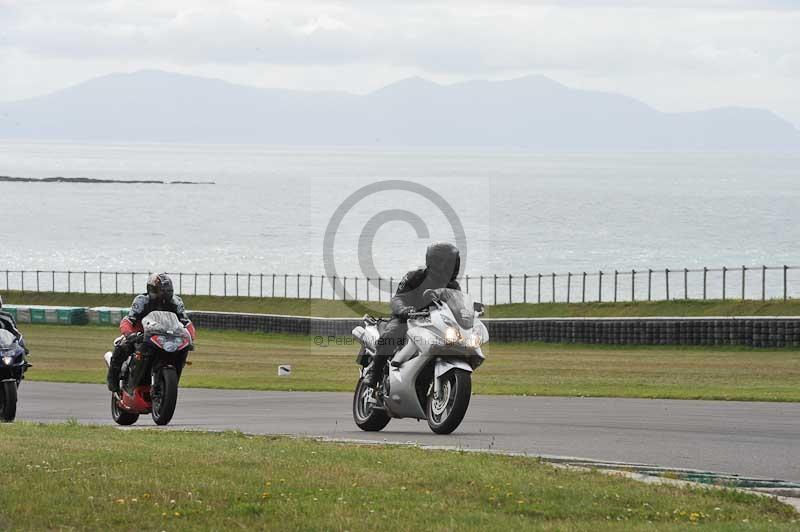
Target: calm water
(521, 212)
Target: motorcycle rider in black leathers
(442, 263)
(8, 323)
(160, 295)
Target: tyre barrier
(47, 314)
(757, 331)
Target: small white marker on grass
(284, 370)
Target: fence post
(37, 280)
(380, 296)
(100, 281)
(344, 288)
(194, 290)
(785, 295)
(22, 281)
(616, 275)
(569, 284)
(209, 283)
(583, 288)
(600, 286)
(261, 285)
(286, 285)
(705, 285)
(367, 278)
(237, 284)
(84, 281)
(116, 283)
(554, 287)
(666, 276)
(310, 284)
(481, 287)
(249, 275)
(525, 288)
(539, 288)
(495, 289)
(355, 298)
(744, 277)
(298, 286)
(334, 288)
(180, 283)
(633, 285)
(273, 285)
(724, 281)
(391, 287)
(466, 281)
(54, 280)
(686, 283)
(649, 284)
(763, 283)
(7, 287)
(321, 285)
(509, 288)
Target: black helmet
(443, 261)
(159, 287)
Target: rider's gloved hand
(405, 311)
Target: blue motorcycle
(13, 366)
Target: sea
(362, 212)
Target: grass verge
(327, 308)
(236, 360)
(59, 477)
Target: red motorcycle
(149, 378)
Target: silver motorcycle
(430, 377)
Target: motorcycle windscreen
(461, 305)
(6, 339)
(162, 322)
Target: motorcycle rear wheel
(167, 396)
(8, 401)
(446, 412)
(120, 416)
(366, 417)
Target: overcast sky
(673, 54)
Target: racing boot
(115, 367)
(374, 371)
(112, 379)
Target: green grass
(72, 477)
(323, 307)
(227, 359)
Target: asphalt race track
(753, 439)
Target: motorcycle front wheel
(120, 416)
(366, 417)
(446, 411)
(165, 395)
(8, 401)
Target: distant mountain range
(532, 112)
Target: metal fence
(744, 283)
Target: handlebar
(419, 314)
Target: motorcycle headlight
(451, 334)
(7, 360)
(474, 340)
